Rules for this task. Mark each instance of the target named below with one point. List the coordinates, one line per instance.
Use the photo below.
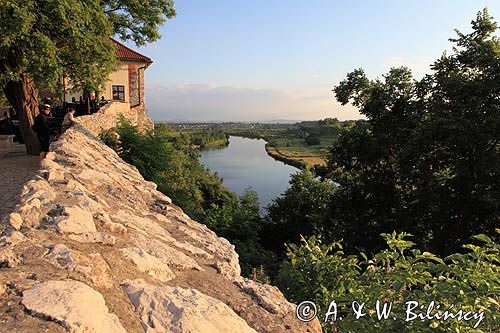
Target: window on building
(119, 93)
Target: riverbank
(293, 156)
(290, 148)
(212, 145)
(216, 144)
(303, 144)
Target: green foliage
(208, 137)
(138, 20)
(3, 101)
(173, 168)
(301, 210)
(150, 152)
(427, 160)
(312, 139)
(397, 274)
(48, 39)
(332, 122)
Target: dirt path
(15, 170)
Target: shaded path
(15, 170)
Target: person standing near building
(44, 132)
(69, 119)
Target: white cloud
(208, 101)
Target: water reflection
(245, 163)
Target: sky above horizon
(226, 60)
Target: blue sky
(279, 59)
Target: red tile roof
(125, 53)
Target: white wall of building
(119, 77)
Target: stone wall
(133, 82)
(109, 115)
(93, 247)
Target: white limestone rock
(11, 237)
(50, 156)
(56, 176)
(269, 297)
(105, 223)
(227, 263)
(93, 177)
(183, 245)
(168, 254)
(76, 220)
(31, 203)
(93, 237)
(72, 304)
(93, 267)
(174, 309)
(15, 220)
(31, 188)
(148, 264)
(146, 226)
(60, 256)
(8, 258)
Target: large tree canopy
(42, 41)
(429, 160)
(138, 20)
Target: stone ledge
(88, 222)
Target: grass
(304, 154)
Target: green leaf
(483, 238)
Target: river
(243, 163)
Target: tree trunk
(23, 97)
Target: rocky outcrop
(174, 309)
(73, 304)
(93, 247)
(109, 115)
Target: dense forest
(389, 214)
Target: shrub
(397, 274)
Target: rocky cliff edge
(93, 247)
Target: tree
(3, 100)
(43, 41)
(249, 204)
(429, 160)
(312, 139)
(301, 210)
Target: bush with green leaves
(400, 273)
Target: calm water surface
(245, 163)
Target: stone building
(126, 83)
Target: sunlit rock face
(93, 247)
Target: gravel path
(15, 170)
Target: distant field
(291, 147)
(298, 154)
